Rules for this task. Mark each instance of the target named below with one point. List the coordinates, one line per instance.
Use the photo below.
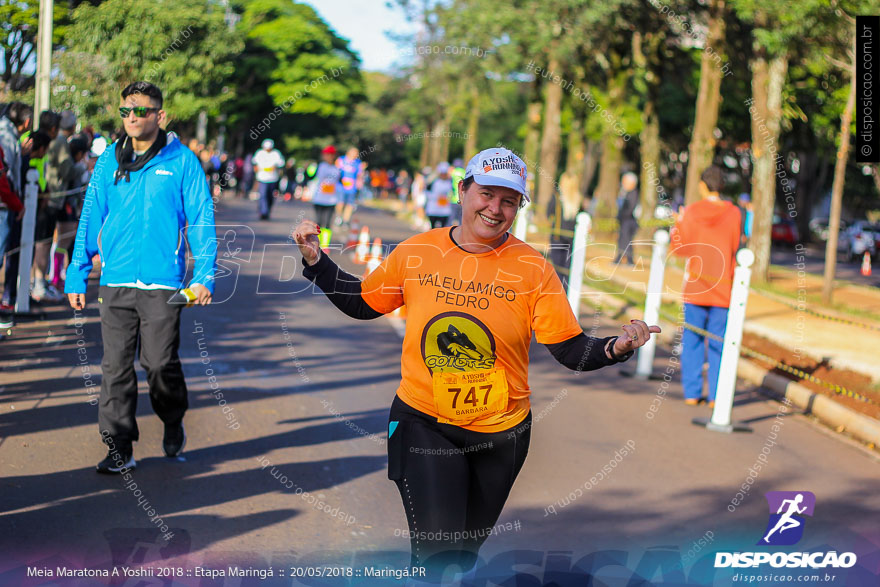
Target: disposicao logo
(785, 528)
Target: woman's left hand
(635, 334)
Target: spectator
(247, 176)
(49, 207)
(35, 146)
(268, 163)
(155, 192)
(68, 216)
(745, 204)
(707, 234)
(626, 216)
(563, 209)
(15, 119)
(14, 122)
(59, 180)
(403, 183)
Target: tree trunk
(701, 151)
(591, 162)
(425, 153)
(837, 188)
(574, 163)
(551, 143)
(649, 152)
(473, 126)
(612, 153)
(609, 175)
(533, 138)
(443, 140)
(768, 79)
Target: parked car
(859, 238)
(784, 231)
(819, 229)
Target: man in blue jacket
(146, 190)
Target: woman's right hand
(306, 237)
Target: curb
(834, 415)
(829, 412)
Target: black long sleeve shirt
(579, 353)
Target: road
(310, 390)
(814, 260)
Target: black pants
(628, 230)
(453, 483)
(324, 215)
(438, 221)
(129, 314)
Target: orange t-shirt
(470, 312)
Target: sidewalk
(845, 345)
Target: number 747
(471, 396)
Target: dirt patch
(850, 380)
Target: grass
(634, 298)
(816, 299)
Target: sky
(363, 23)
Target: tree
(185, 48)
(701, 151)
(18, 39)
(299, 71)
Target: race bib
(328, 188)
(461, 398)
(347, 182)
(442, 201)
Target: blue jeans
(267, 193)
(693, 349)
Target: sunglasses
(139, 111)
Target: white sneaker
(38, 290)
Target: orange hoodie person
(707, 234)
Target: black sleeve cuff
(584, 353)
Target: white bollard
(521, 226)
(576, 268)
(720, 421)
(645, 364)
(26, 252)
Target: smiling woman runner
(459, 425)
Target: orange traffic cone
(866, 264)
(375, 257)
(363, 247)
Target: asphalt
(310, 388)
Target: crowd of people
(63, 160)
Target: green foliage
(185, 48)
(295, 66)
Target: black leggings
(438, 221)
(324, 215)
(453, 483)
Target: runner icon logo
(453, 342)
(786, 524)
(784, 528)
